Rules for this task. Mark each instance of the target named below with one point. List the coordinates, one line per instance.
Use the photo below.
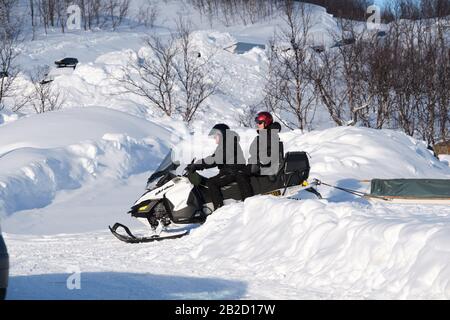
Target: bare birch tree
(289, 89)
(192, 71)
(152, 76)
(45, 97)
(9, 69)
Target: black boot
(216, 195)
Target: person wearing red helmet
(263, 120)
(266, 150)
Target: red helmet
(264, 117)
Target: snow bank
(43, 154)
(7, 116)
(338, 250)
(211, 41)
(323, 27)
(445, 159)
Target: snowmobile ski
(131, 238)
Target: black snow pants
(225, 178)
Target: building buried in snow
(442, 147)
(243, 47)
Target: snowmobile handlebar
(187, 170)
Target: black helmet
(219, 128)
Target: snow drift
(341, 250)
(43, 154)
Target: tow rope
(354, 192)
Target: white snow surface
(445, 158)
(60, 194)
(66, 175)
(41, 155)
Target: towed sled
(171, 199)
(410, 191)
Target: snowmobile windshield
(165, 167)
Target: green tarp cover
(411, 188)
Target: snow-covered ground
(60, 192)
(445, 158)
(66, 175)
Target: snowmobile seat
(263, 183)
(231, 191)
(260, 185)
(294, 169)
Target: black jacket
(256, 146)
(228, 156)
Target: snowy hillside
(103, 54)
(66, 175)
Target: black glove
(190, 167)
(193, 167)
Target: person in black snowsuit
(229, 159)
(266, 155)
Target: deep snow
(341, 247)
(66, 175)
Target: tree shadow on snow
(122, 286)
(337, 195)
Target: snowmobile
(172, 199)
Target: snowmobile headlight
(144, 208)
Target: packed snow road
(265, 248)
